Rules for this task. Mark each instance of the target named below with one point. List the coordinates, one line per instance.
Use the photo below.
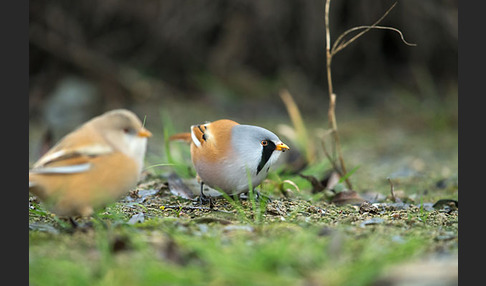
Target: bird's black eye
(264, 143)
(127, 130)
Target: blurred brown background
(209, 59)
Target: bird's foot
(257, 195)
(204, 200)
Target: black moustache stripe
(202, 131)
(266, 154)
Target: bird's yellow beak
(144, 133)
(281, 147)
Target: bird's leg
(247, 196)
(259, 196)
(83, 227)
(203, 199)
(211, 204)
(74, 224)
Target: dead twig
(330, 158)
(332, 100)
(392, 190)
(339, 45)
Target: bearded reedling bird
(223, 152)
(92, 166)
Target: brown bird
(92, 166)
(225, 153)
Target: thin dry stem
(332, 102)
(292, 183)
(326, 152)
(337, 141)
(328, 33)
(392, 190)
(339, 39)
(330, 158)
(341, 46)
(328, 48)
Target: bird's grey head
(256, 146)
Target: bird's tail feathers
(186, 137)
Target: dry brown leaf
(178, 188)
(347, 197)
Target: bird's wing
(70, 160)
(68, 169)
